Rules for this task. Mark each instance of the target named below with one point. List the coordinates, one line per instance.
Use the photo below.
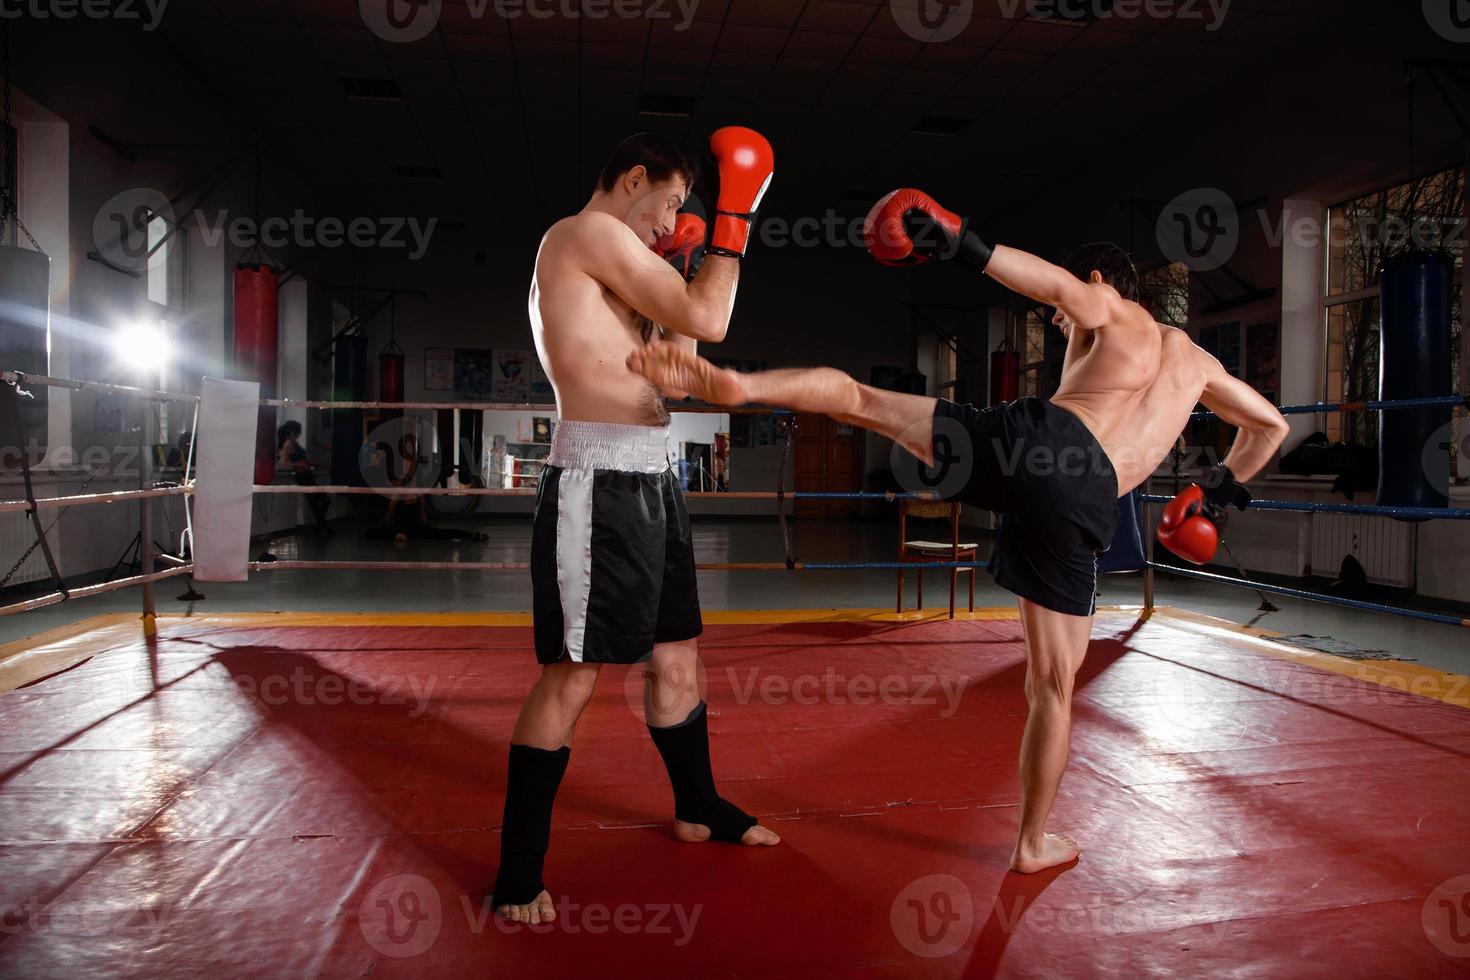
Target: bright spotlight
(142, 345)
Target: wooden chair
(934, 551)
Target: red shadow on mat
(1012, 900)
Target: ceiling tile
(1009, 64)
(684, 34)
(764, 13)
(879, 51)
(837, 17)
(678, 60)
(752, 40)
(812, 44)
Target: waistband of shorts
(1074, 434)
(610, 446)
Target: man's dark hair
(289, 430)
(1114, 264)
(658, 154)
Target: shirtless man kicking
(1053, 469)
(612, 561)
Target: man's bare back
(1133, 383)
(584, 331)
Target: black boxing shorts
(1043, 472)
(612, 560)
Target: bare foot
(674, 368)
(698, 833)
(540, 909)
(1054, 849)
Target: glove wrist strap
(731, 234)
(973, 253)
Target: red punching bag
(1005, 374)
(390, 375)
(257, 344)
(390, 368)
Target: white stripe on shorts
(574, 555)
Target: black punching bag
(25, 297)
(349, 384)
(1414, 362)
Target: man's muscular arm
(608, 251)
(1089, 305)
(1261, 427)
(908, 227)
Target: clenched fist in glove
(909, 227)
(1191, 522)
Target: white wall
(66, 176)
(1442, 556)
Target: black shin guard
(685, 748)
(531, 782)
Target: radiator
(1385, 548)
(15, 537)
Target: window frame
(1331, 423)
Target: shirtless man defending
(1052, 469)
(612, 562)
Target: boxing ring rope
(521, 566)
(1324, 408)
(1149, 567)
(18, 378)
(279, 488)
(1364, 510)
(80, 500)
(52, 598)
(504, 407)
(1330, 600)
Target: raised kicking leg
(678, 725)
(1056, 644)
(906, 419)
(539, 750)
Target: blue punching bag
(1414, 362)
(1126, 552)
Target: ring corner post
(145, 515)
(1148, 553)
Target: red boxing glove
(746, 163)
(1190, 526)
(684, 246)
(908, 227)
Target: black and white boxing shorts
(612, 560)
(1044, 473)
